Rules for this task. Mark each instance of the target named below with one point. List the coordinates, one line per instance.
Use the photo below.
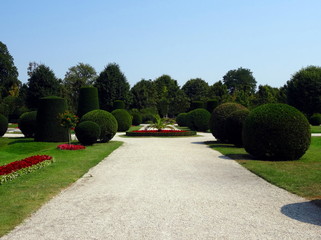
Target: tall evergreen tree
(144, 94)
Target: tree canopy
(144, 94)
(196, 89)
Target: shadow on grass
(21, 140)
(307, 212)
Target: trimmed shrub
(48, 125)
(3, 125)
(87, 132)
(105, 120)
(137, 118)
(276, 132)
(234, 125)
(218, 119)
(315, 119)
(196, 104)
(211, 104)
(197, 119)
(88, 100)
(124, 119)
(148, 117)
(118, 104)
(181, 119)
(28, 123)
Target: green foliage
(161, 134)
(119, 104)
(3, 125)
(144, 94)
(28, 123)
(315, 119)
(218, 119)
(197, 104)
(179, 104)
(137, 118)
(124, 119)
(87, 132)
(212, 104)
(105, 120)
(48, 124)
(266, 94)
(234, 126)
(196, 89)
(198, 119)
(181, 119)
(276, 132)
(161, 123)
(14, 104)
(219, 92)
(88, 100)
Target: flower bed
(70, 147)
(24, 166)
(162, 133)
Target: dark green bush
(315, 119)
(87, 132)
(211, 104)
(197, 119)
(218, 119)
(118, 104)
(234, 125)
(88, 100)
(181, 119)
(105, 120)
(276, 132)
(148, 117)
(124, 119)
(28, 123)
(137, 118)
(48, 124)
(3, 125)
(196, 104)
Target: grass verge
(315, 129)
(25, 194)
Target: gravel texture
(171, 188)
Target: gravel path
(171, 188)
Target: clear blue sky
(183, 38)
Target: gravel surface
(171, 188)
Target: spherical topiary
(105, 120)
(234, 125)
(88, 100)
(196, 104)
(181, 119)
(87, 132)
(218, 119)
(3, 125)
(197, 119)
(124, 119)
(137, 118)
(276, 132)
(118, 104)
(27, 124)
(315, 119)
(48, 124)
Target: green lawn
(302, 177)
(315, 129)
(25, 194)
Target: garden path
(171, 188)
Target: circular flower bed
(70, 147)
(162, 133)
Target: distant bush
(218, 119)
(181, 119)
(124, 119)
(137, 118)
(87, 132)
(197, 104)
(119, 104)
(276, 132)
(211, 104)
(198, 119)
(27, 123)
(3, 125)
(315, 119)
(88, 100)
(234, 125)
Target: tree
(76, 77)
(42, 83)
(219, 92)
(196, 89)
(8, 71)
(266, 94)
(112, 85)
(180, 104)
(240, 79)
(304, 90)
(144, 94)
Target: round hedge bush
(315, 119)
(137, 118)
(218, 119)
(276, 132)
(124, 119)
(87, 132)
(28, 123)
(197, 119)
(3, 125)
(234, 125)
(181, 119)
(88, 100)
(105, 120)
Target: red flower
(70, 147)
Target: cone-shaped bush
(3, 125)
(137, 118)
(105, 120)
(87, 132)
(88, 100)
(124, 119)
(315, 119)
(218, 119)
(48, 124)
(234, 126)
(276, 132)
(181, 119)
(197, 119)
(119, 104)
(27, 124)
